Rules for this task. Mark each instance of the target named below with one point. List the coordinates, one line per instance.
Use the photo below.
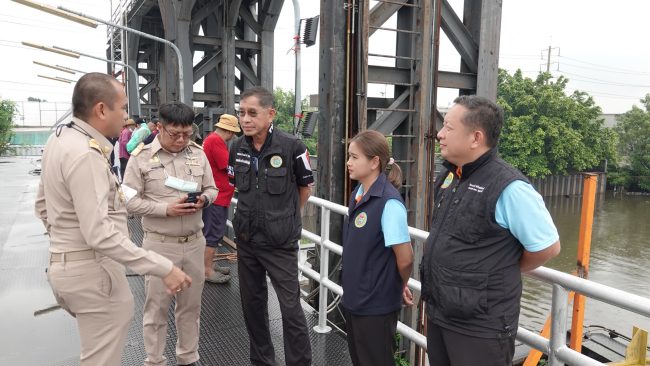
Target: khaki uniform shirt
(80, 202)
(145, 176)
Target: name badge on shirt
(192, 161)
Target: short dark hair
(264, 96)
(91, 89)
(176, 113)
(484, 114)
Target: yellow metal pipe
(58, 12)
(50, 49)
(55, 79)
(59, 68)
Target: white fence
(555, 347)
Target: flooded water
(620, 255)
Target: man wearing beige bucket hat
(215, 215)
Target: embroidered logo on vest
(276, 161)
(448, 180)
(360, 220)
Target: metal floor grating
(223, 340)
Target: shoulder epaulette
(93, 144)
(138, 149)
(196, 145)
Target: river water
(620, 257)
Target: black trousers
(281, 264)
(371, 339)
(446, 347)
(123, 162)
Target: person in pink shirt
(216, 214)
(125, 136)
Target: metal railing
(556, 348)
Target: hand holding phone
(193, 197)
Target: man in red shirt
(215, 215)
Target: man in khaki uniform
(83, 209)
(157, 183)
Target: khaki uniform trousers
(189, 257)
(97, 294)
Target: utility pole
(549, 51)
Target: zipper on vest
(444, 216)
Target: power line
(23, 47)
(40, 26)
(34, 84)
(605, 66)
(601, 81)
(607, 95)
(29, 20)
(604, 69)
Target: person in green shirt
(139, 135)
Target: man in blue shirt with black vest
(488, 225)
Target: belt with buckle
(173, 239)
(79, 255)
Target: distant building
(610, 119)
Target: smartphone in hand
(193, 197)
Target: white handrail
(562, 282)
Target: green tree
(284, 107)
(546, 132)
(633, 129)
(7, 110)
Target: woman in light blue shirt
(377, 252)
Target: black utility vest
(268, 207)
(370, 279)
(470, 268)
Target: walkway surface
(52, 338)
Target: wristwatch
(206, 202)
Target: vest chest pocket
(470, 216)
(461, 295)
(242, 177)
(276, 180)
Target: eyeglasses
(252, 112)
(176, 135)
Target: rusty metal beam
(217, 42)
(459, 36)
(381, 12)
(207, 97)
(246, 71)
(206, 65)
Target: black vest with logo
(268, 207)
(470, 268)
(370, 279)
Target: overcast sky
(599, 45)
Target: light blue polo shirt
(521, 210)
(394, 222)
